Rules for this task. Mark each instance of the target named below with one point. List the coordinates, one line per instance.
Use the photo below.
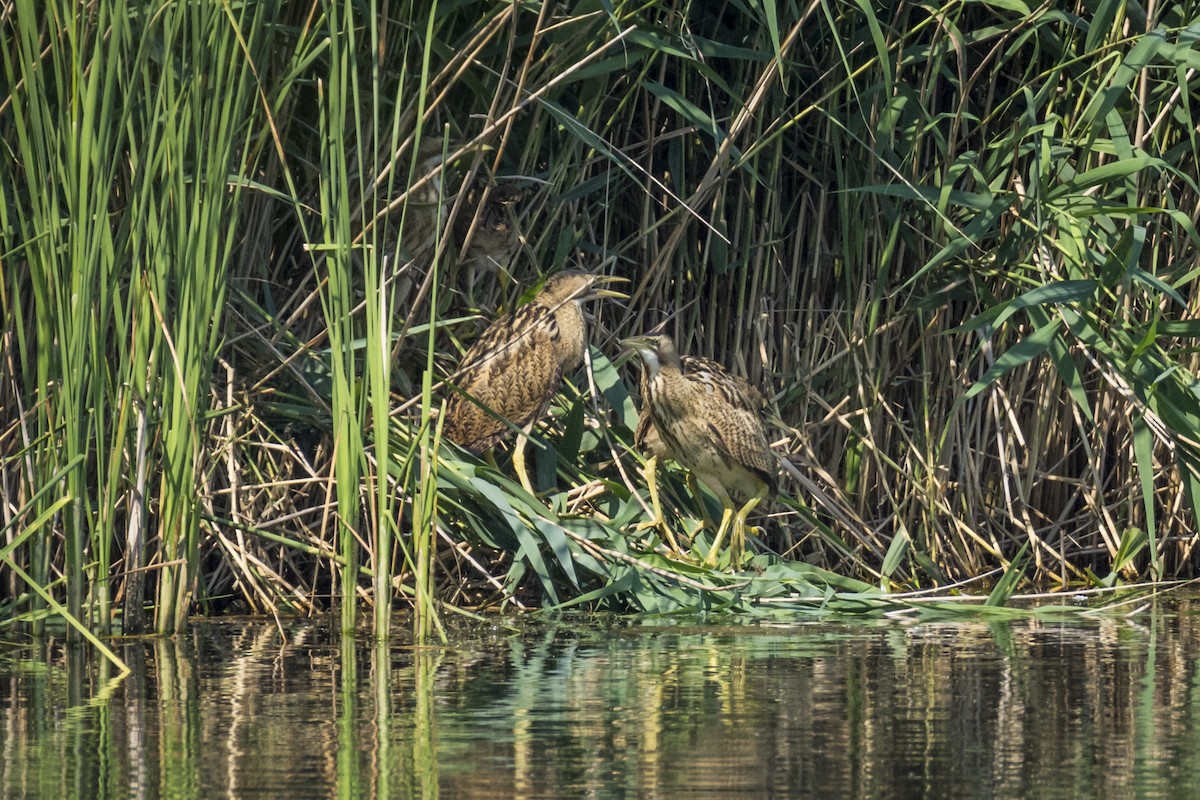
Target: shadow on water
(1091, 708)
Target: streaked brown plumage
(517, 365)
(486, 226)
(647, 439)
(708, 421)
(426, 206)
(646, 436)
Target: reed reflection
(1102, 708)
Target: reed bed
(954, 244)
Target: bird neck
(572, 332)
(669, 361)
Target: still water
(621, 709)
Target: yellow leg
(658, 520)
(726, 515)
(694, 488)
(519, 461)
(737, 544)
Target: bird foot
(659, 526)
(688, 557)
(645, 525)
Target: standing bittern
(648, 440)
(510, 374)
(707, 421)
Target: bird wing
(738, 392)
(732, 420)
(740, 436)
(645, 420)
(692, 365)
(511, 369)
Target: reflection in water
(1099, 708)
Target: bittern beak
(597, 291)
(644, 346)
(643, 342)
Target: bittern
(647, 439)
(508, 377)
(706, 420)
(427, 205)
(485, 229)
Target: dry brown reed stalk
(838, 207)
(806, 287)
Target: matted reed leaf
(1084, 330)
(1103, 175)
(1190, 476)
(624, 584)
(568, 447)
(527, 549)
(612, 387)
(659, 45)
(968, 241)
(896, 552)
(1156, 283)
(598, 184)
(1133, 542)
(1143, 441)
(883, 59)
(560, 546)
(1006, 587)
(1181, 328)
(771, 15)
(619, 64)
(1018, 7)
(1069, 374)
(1137, 59)
(711, 48)
(934, 197)
(820, 579)
(1101, 22)
(579, 130)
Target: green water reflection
(1090, 708)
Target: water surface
(618, 709)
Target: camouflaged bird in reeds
(486, 226)
(706, 419)
(518, 362)
(735, 390)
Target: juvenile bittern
(427, 205)
(508, 377)
(706, 420)
(647, 439)
(485, 229)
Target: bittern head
(655, 349)
(580, 286)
